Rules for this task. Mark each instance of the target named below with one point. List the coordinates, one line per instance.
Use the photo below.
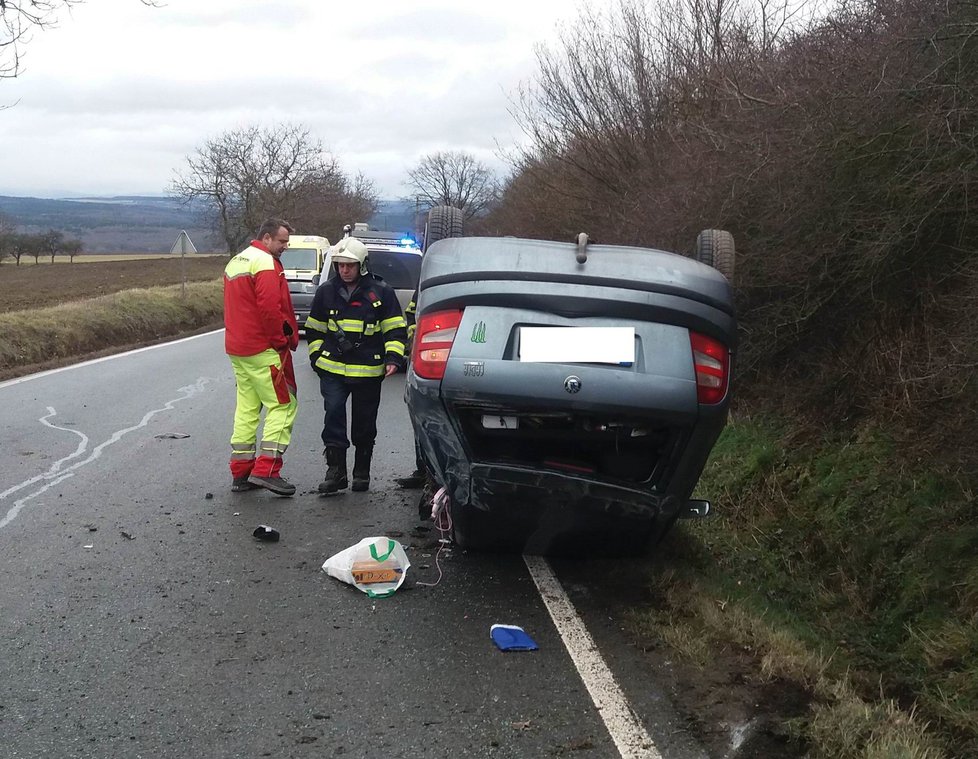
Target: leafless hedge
(841, 152)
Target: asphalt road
(140, 618)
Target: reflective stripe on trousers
(262, 380)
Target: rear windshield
(300, 258)
(399, 270)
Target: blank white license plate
(491, 422)
(578, 345)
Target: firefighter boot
(335, 471)
(361, 468)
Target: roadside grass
(40, 337)
(843, 570)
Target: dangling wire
(442, 518)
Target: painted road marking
(626, 729)
(49, 372)
(56, 474)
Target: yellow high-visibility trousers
(265, 380)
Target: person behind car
(260, 335)
(356, 334)
(416, 479)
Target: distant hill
(147, 224)
(395, 216)
(122, 224)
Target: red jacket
(258, 312)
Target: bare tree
(246, 175)
(33, 246)
(7, 231)
(72, 248)
(52, 243)
(324, 207)
(19, 17)
(454, 178)
(16, 246)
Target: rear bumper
(516, 494)
(529, 493)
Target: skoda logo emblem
(572, 384)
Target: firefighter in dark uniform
(356, 334)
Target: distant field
(89, 258)
(28, 286)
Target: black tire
(715, 247)
(443, 222)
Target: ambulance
(305, 261)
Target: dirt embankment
(56, 314)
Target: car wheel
(443, 222)
(715, 247)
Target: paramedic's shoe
(240, 484)
(278, 485)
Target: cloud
(434, 26)
(152, 97)
(256, 16)
(118, 95)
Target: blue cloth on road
(511, 638)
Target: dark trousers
(365, 402)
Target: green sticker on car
(479, 332)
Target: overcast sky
(114, 98)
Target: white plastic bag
(377, 566)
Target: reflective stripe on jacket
(257, 304)
(411, 315)
(371, 321)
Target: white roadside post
(183, 246)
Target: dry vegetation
(42, 338)
(840, 151)
(52, 314)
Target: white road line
(54, 475)
(626, 729)
(49, 372)
(56, 466)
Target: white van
(305, 260)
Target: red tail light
(433, 342)
(711, 360)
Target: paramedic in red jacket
(260, 335)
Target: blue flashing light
(408, 242)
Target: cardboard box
(369, 572)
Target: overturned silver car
(567, 395)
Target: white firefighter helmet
(351, 250)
